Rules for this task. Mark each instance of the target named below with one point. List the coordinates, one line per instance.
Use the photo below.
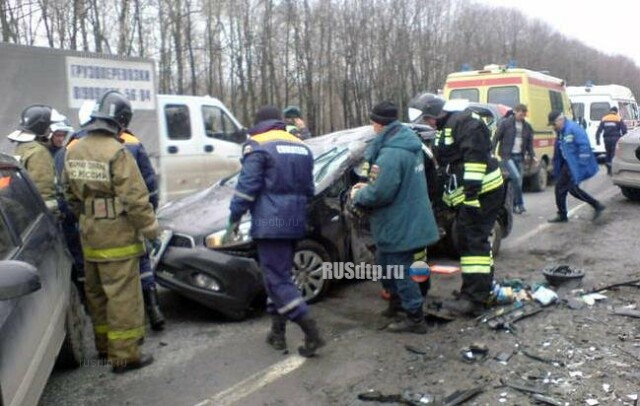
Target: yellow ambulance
(540, 92)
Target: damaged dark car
(226, 277)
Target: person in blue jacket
(402, 221)
(275, 183)
(573, 162)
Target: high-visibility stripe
(478, 176)
(101, 329)
(113, 253)
(244, 196)
(131, 334)
(478, 260)
(475, 269)
(491, 181)
(472, 203)
(291, 305)
(475, 166)
(276, 135)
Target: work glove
(231, 232)
(355, 189)
(155, 244)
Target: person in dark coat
(612, 127)
(514, 139)
(402, 221)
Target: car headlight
(205, 282)
(214, 240)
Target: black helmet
(425, 105)
(36, 119)
(115, 107)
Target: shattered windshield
(323, 165)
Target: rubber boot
(559, 218)
(462, 307)
(120, 367)
(152, 306)
(312, 339)
(598, 211)
(276, 337)
(414, 323)
(394, 307)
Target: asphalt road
(202, 359)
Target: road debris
(546, 400)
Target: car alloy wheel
(307, 270)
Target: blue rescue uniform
(275, 184)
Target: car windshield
(323, 164)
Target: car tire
(631, 193)
(539, 181)
(495, 239)
(72, 353)
(307, 270)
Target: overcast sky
(612, 27)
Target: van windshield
(598, 110)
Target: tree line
(333, 58)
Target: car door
(182, 171)
(222, 143)
(33, 330)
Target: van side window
(470, 94)
(217, 124)
(556, 100)
(18, 202)
(178, 121)
(599, 110)
(507, 95)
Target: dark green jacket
(401, 218)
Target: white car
(625, 167)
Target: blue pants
(515, 168)
(147, 278)
(276, 263)
(406, 288)
(610, 148)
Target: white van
(591, 103)
(200, 143)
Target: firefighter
(295, 123)
(105, 189)
(147, 277)
(32, 137)
(275, 183)
(474, 188)
(612, 127)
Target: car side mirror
(17, 279)
(240, 135)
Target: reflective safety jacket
(37, 160)
(612, 126)
(275, 183)
(463, 148)
(104, 187)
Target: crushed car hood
(201, 213)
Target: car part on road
(556, 275)
(542, 399)
(523, 387)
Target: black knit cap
(613, 109)
(553, 116)
(267, 113)
(384, 113)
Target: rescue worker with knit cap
(402, 221)
(106, 191)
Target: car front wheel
(307, 270)
(631, 193)
(72, 353)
